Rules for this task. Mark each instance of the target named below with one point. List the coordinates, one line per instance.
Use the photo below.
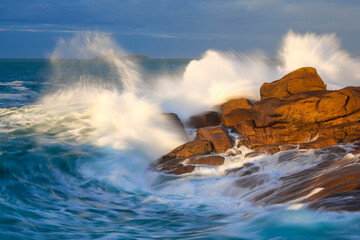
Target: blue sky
(174, 28)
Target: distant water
(77, 138)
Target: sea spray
(323, 52)
(214, 79)
(75, 164)
(220, 76)
(90, 53)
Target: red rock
(193, 148)
(217, 136)
(237, 115)
(206, 160)
(353, 100)
(204, 119)
(300, 80)
(235, 104)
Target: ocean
(78, 135)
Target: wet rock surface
(206, 160)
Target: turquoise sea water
(68, 173)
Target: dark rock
(319, 143)
(206, 160)
(253, 154)
(252, 181)
(344, 201)
(181, 169)
(268, 149)
(174, 118)
(204, 119)
(328, 177)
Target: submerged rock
(325, 179)
(344, 201)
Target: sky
(173, 28)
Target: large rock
(205, 119)
(300, 80)
(218, 136)
(239, 114)
(193, 148)
(234, 104)
(175, 120)
(236, 110)
(303, 117)
(172, 163)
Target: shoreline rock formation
(295, 112)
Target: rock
(235, 104)
(204, 119)
(206, 160)
(181, 169)
(319, 143)
(288, 147)
(235, 116)
(344, 201)
(252, 181)
(253, 154)
(174, 118)
(171, 163)
(193, 148)
(296, 119)
(268, 149)
(323, 180)
(246, 169)
(217, 136)
(236, 110)
(355, 152)
(233, 152)
(307, 108)
(300, 80)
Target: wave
(108, 102)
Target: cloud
(163, 36)
(217, 22)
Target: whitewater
(78, 133)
